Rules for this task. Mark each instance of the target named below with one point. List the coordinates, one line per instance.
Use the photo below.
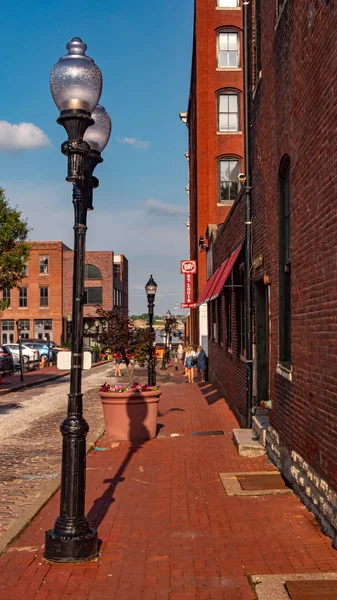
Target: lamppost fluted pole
(151, 288)
(76, 85)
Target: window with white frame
(44, 265)
(229, 169)
(227, 3)
(228, 49)
(44, 296)
(23, 297)
(228, 111)
(6, 297)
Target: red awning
(207, 287)
(225, 269)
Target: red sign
(186, 305)
(188, 266)
(189, 280)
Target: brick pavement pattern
(168, 530)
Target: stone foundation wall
(313, 491)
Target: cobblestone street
(30, 448)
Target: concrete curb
(22, 522)
(29, 384)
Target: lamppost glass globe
(75, 80)
(97, 136)
(151, 287)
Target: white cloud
(156, 207)
(24, 136)
(143, 144)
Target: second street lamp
(76, 86)
(151, 288)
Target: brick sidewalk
(168, 529)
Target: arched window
(228, 49)
(228, 111)
(284, 262)
(92, 272)
(229, 169)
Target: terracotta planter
(130, 416)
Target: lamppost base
(70, 549)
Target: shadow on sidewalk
(101, 505)
(211, 394)
(133, 419)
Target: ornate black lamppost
(151, 288)
(76, 85)
(166, 347)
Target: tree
(123, 337)
(14, 248)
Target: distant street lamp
(69, 318)
(19, 326)
(76, 86)
(166, 334)
(151, 288)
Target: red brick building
(38, 302)
(294, 258)
(43, 301)
(215, 130)
(294, 201)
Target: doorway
(262, 340)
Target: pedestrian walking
(118, 360)
(190, 363)
(201, 363)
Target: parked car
(6, 361)
(52, 344)
(29, 355)
(42, 348)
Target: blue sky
(144, 52)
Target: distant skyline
(144, 53)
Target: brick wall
(205, 144)
(35, 280)
(227, 369)
(294, 112)
(104, 262)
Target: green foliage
(14, 249)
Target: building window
(214, 327)
(23, 297)
(93, 295)
(228, 112)
(228, 3)
(284, 262)
(43, 328)
(229, 329)
(44, 296)
(44, 265)
(25, 270)
(229, 169)
(228, 49)
(6, 297)
(220, 328)
(118, 271)
(7, 328)
(24, 325)
(241, 312)
(92, 272)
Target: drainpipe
(248, 217)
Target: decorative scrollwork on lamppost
(76, 86)
(151, 288)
